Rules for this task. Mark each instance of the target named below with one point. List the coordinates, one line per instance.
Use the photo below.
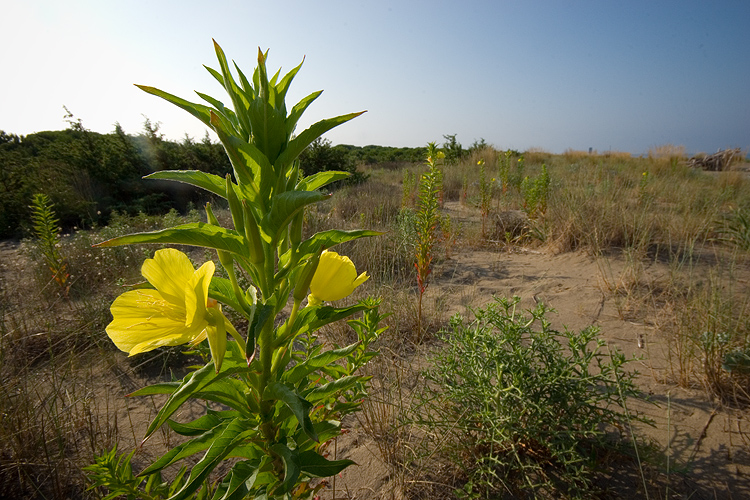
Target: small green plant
(113, 473)
(46, 230)
(485, 196)
(535, 193)
(735, 229)
(409, 182)
(427, 221)
(525, 409)
(503, 169)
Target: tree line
(88, 175)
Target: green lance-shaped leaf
(239, 482)
(299, 407)
(332, 388)
(200, 111)
(306, 137)
(188, 448)
(311, 319)
(298, 110)
(249, 164)
(283, 86)
(239, 100)
(233, 435)
(197, 426)
(221, 289)
(196, 234)
(330, 238)
(227, 113)
(320, 179)
(283, 208)
(291, 467)
(210, 182)
(301, 370)
(235, 207)
(193, 383)
(315, 465)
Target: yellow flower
(335, 278)
(177, 312)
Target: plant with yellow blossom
(281, 404)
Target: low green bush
(522, 409)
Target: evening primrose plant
(282, 396)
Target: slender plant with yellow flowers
(281, 395)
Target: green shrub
(525, 409)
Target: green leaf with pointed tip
(320, 179)
(315, 465)
(197, 426)
(210, 182)
(215, 74)
(330, 238)
(291, 467)
(311, 319)
(201, 379)
(240, 480)
(197, 234)
(202, 442)
(306, 137)
(283, 85)
(333, 387)
(223, 444)
(248, 163)
(303, 369)
(299, 407)
(226, 113)
(203, 113)
(160, 388)
(298, 110)
(283, 208)
(221, 289)
(239, 101)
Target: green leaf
(223, 444)
(203, 113)
(330, 238)
(332, 388)
(186, 449)
(210, 182)
(315, 465)
(160, 388)
(308, 366)
(311, 319)
(229, 392)
(291, 467)
(197, 234)
(240, 480)
(197, 426)
(298, 109)
(320, 179)
(221, 289)
(239, 100)
(305, 138)
(283, 208)
(299, 407)
(234, 362)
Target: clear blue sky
(555, 74)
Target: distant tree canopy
(87, 175)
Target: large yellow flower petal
(335, 278)
(168, 272)
(144, 320)
(196, 294)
